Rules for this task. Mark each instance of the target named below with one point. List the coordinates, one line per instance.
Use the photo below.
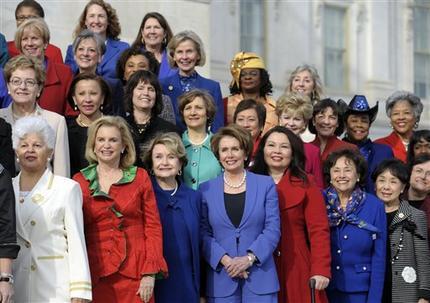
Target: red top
(305, 239)
(52, 52)
(333, 144)
(396, 144)
(122, 228)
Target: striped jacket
(410, 256)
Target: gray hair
(184, 36)
(414, 100)
(318, 86)
(33, 125)
(87, 34)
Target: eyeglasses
(253, 73)
(30, 83)
(420, 172)
(23, 18)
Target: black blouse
(77, 141)
(235, 206)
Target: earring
(164, 40)
(358, 179)
(17, 160)
(101, 107)
(75, 107)
(416, 125)
(151, 172)
(49, 159)
(122, 150)
(179, 172)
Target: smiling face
(153, 34)
(250, 79)
(195, 114)
(422, 147)
(25, 13)
(420, 178)
(326, 122)
(96, 19)
(134, 64)
(144, 96)
(186, 57)
(293, 121)
(402, 117)
(248, 119)
(32, 43)
(33, 153)
(343, 175)
(26, 92)
(108, 145)
(165, 164)
(88, 97)
(277, 152)
(303, 83)
(231, 155)
(357, 127)
(388, 187)
(87, 56)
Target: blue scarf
(337, 215)
(188, 82)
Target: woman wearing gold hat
(250, 81)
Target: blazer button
(337, 267)
(33, 267)
(339, 251)
(364, 268)
(194, 164)
(193, 180)
(27, 244)
(345, 237)
(32, 222)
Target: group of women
(179, 195)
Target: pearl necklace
(238, 185)
(199, 143)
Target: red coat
(396, 144)
(333, 144)
(122, 229)
(52, 52)
(313, 163)
(303, 220)
(57, 83)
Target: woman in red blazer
(304, 249)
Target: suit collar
(403, 213)
(111, 50)
(291, 191)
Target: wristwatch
(6, 278)
(251, 258)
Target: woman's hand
(78, 300)
(237, 266)
(6, 292)
(146, 288)
(321, 282)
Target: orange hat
(244, 60)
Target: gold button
(33, 267)
(27, 244)
(32, 222)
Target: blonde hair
(181, 37)
(295, 103)
(128, 157)
(37, 24)
(318, 86)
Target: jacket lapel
(250, 197)
(290, 192)
(403, 213)
(219, 203)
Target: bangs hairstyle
(188, 97)
(266, 87)
(128, 157)
(259, 108)
(297, 165)
(113, 29)
(396, 167)
(104, 87)
(143, 76)
(351, 156)
(34, 5)
(417, 137)
(237, 132)
(138, 42)
(184, 36)
(295, 103)
(37, 25)
(321, 107)
(153, 64)
(24, 62)
(317, 91)
(33, 125)
(174, 145)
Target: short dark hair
(354, 156)
(252, 104)
(417, 136)
(297, 165)
(145, 77)
(338, 110)
(154, 66)
(395, 166)
(104, 86)
(265, 85)
(33, 4)
(418, 160)
(208, 100)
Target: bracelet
(251, 258)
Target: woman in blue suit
(185, 52)
(240, 225)
(358, 231)
(100, 17)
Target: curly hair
(318, 86)
(266, 87)
(113, 29)
(154, 66)
(139, 43)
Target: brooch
(170, 87)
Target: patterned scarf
(188, 82)
(336, 214)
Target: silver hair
(184, 36)
(33, 125)
(414, 100)
(87, 34)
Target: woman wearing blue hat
(358, 118)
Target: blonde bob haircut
(38, 25)
(25, 62)
(240, 134)
(128, 157)
(295, 103)
(181, 37)
(174, 145)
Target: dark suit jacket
(6, 152)
(172, 88)
(106, 68)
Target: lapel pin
(170, 87)
(401, 215)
